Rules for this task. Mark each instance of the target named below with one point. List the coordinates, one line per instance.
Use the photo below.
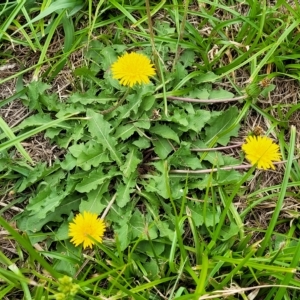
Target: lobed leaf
(93, 180)
(100, 130)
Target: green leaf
(124, 236)
(89, 98)
(196, 212)
(144, 247)
(86, 72)
(53, 132)
(188, 58)
(56, 178)
(229, 231)
(218, 160)
(135, 100)
(220, 94)
(124, 191)
(150, 226)
(137, 224)
(32, 223)
(38, 173)
(221, 123)
(265, 92)
(152, 269)
(164, 28)
(148, 102)
(69, 162)
(228, 177)
(125, 131)
(197, 121)
(215, 158)
(51, 102)
(162, 148)
(77, 149)
(165, 132)
(142, 143)
(35, 89)
(179, 73)
(92, 155)
(207, 77)
(199, 93)
(187, 108)
(132, 106)
(95, 178)
(180, 117)
(230, 160)
(212, 217)
(109, 56)
(95, 203)
(71, 109)
(158, 185)
(133, 158)
(100, 129)
(119, 215)
(164, 230)
(144, 122)
(46, 201)
(36, 202)
(62, 232)
(176, 187)
(184, 158)
(74, 134)
(36, 120)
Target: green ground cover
(161, 162)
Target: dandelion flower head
(261, 150)
(83, 227)
(132, 68)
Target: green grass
(127, 154)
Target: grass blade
(282, 193)
(8, 132)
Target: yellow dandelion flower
(84, 226)
(132, 68)
(262, 151)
